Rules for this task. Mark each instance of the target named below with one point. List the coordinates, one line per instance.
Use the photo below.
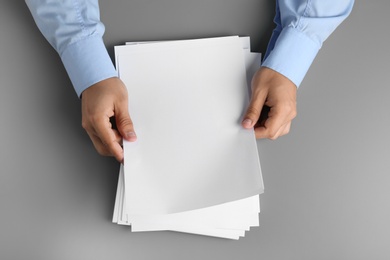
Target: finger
(274, 124)
(263, 116)
(118, 137)
(286, 129)
(254, 109)
(123, 122)
(283, 130)
(107, 136)
(100, 147)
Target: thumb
(253, 111)
(124, 124)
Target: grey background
(327, 183)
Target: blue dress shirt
(74, 29)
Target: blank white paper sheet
(193, 168)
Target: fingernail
(247, 123)
(131, 136)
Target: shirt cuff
(292, 54)
(87, 62)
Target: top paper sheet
(187, 100)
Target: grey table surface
(327, 184)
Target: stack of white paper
(193, 168)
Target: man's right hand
(103, 100)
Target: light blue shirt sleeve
(74, 29)
(301, 28)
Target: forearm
(74, 29)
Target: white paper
(192, 151)
(197, 91)
(229, 220)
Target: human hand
(100, 102)
(272, 106)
